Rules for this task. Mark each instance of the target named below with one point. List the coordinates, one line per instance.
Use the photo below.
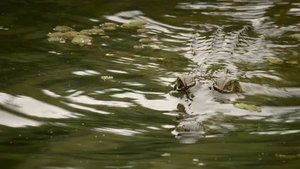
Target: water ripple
(11, 120)
(122, 132)
(86, 73)
(169, 103)
(33, 107)
(284, 132)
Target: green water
(58, 112)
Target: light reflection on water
(86, 73)
(91, 101)
(77, 106)
(32, 107)
(276, 132)
(8, 119)
(167, 104)
(123, 132)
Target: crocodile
(214, 84)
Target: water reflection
(294, 11)
(123, 132)
(169, 103)
(116, 71)
(276, 132)
(32, 107)
(86, 73)
(253, 12)
(11, 120)
(133, 84)
(255, 89)
(78, 98)
(4, 28)
(155, 26)
(91, 101)
(80, 107)
(153, 128)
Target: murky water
(110, 104)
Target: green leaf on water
(249, 107)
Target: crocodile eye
(228, 87)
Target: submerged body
(212, 88)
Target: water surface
(58, 112)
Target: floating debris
(107, 78)
(134, 24)
(249, 107)
(63, 34)
(109, 26)
(70, 35)
(57, 39)
(82, 40)
(93, 31)
(62, 28)
(61, 37)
